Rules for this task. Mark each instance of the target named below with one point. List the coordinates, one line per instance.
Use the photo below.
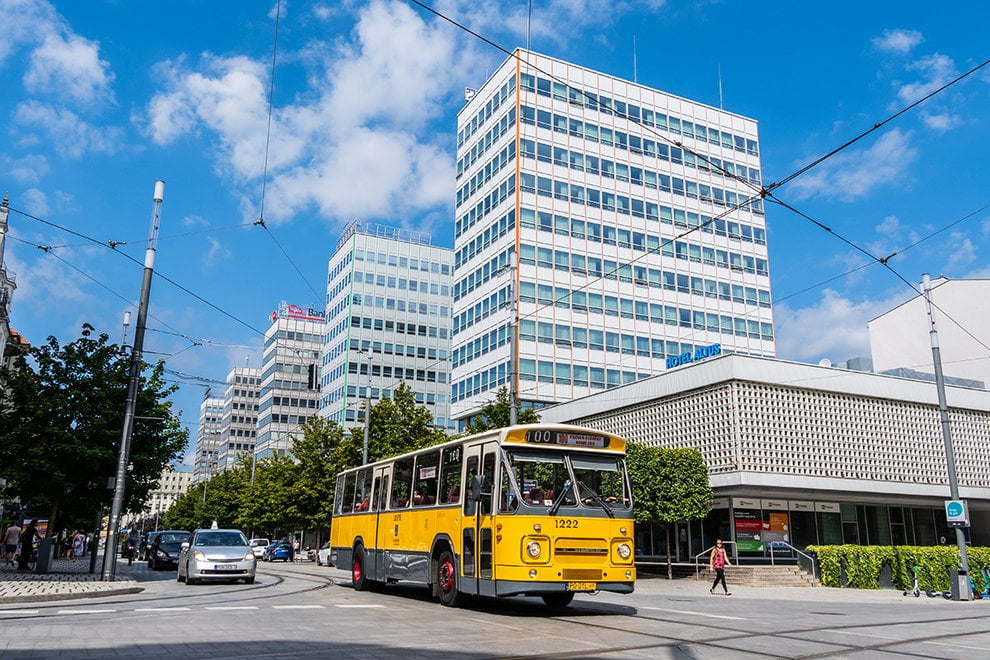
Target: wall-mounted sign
(288, 311)
(720, 502)
(827, 507)
(699, 353)
(779, 505)
(957, 513)
(745, 503)
(801, 505)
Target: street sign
(957, 513)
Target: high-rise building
(289, 376)
(208, 438)
(388, 321)
(239, 424)
(630, 210)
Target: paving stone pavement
(68, 580)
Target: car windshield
(540, 476)
(601, 479)
(172, 537)
(220, 539)
(259, 543)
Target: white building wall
(900, 338)
(239, 425)
(208, 436)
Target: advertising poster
(749, 530)
(775, 529)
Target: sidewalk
(67, 580)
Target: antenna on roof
(529, 22)
(635, 76)
(720, 106)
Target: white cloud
(935, 71)
(194, 220)
(216, 252)
(962, 255)
(322, 12)
(835, 327)
(24, 22)
(69, 67)
(35, 202)
(889, 226)
(851, 175)
(940, 122)
(69, 135)
(46, 280)
(898, 41)
(27, 169)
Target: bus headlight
(533, 549)
(624, 550)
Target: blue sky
(102, 98)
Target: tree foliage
(61, 416)
(495, 415)
(399, 425)
(322, 450)
(669, 486)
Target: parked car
(323, 555)
(216, 554)
(279, 550)
(165, 548)
(258, 547)
(145, 552)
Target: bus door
(477, 560)
(381, 491)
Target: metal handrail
(697, 568)
(810, 559)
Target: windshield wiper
(559, 499)
(592, 495)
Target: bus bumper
(514, 588)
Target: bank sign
(289, 311)
(698, 354)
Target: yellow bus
(536, 510)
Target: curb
(50, 597)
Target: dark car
(165, 548)
(279, 550)
(145, 552)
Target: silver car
(216, 554)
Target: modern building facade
(388, 321)
(239, 424)
(172, 485)
(806, 454)
(899, 338)
(289, 377)
(208, 436)
(631, 213)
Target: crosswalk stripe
(297, 607)
(355, 606)
(18, 611)
(86, 611)
(224, 608)
(162, 609)
(692, 613)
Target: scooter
(985, 572)
(915, 591)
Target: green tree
(272, 504)
(226, 494)
(669, 486)
(61, 415)
(187, 511)
(495, 415)
(398, 425)
(321, 451)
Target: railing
(697, 566)
(785, 544)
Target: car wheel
(179, 577)
(559, 599)
(447, 580)
(190, 580)
(358, 576)
(249, 580)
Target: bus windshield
(541, 476)
(601, 481)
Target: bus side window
(450, 475)
(427, 469)
(362, 491)
(401, 478)
(472, 469)
(488, 472)
(381, 495)
(348, 498)
(338, 495)
(375, 490)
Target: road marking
(162, 609)
(355, 606)
(18, 611)
(233, 607)
(86, 611)
(958, 646)
(297, 607)
(849, 632)
(711, 616)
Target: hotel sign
(699, 354)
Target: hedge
(860, 566)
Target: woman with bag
(718, 561)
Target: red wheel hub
(356, 570)
(446, 576)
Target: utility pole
(943, 413)
(513, 343)
(367, 416)
(110, 555)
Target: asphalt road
(302, 610)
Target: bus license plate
(581, 586)
(225, 567)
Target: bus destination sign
(567, 438)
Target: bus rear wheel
(447, 580)
(358, 576)
(559, 599)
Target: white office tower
(388, 321)
(628, 209)
(289, 377)
(208, 438)
(239, 424)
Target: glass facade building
(631, 215)
(388, 321)
(208, 438)
(289, 377)
(239, 424)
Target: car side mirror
(185, 545)
(477, 486)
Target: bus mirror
(477, 485)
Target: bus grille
(581, 574)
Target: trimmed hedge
(859, 566)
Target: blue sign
(956, 513)
(699, 353)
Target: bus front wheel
(559, 599)
(447, 580)
(358, 575)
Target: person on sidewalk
(78, 544)
(10, 539)
(718, 561)
(27, 538)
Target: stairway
(762, 576)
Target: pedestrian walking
(718, 561)
(27, 538)
(78, 544)
(10, 539)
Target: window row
(292, 335)
(386, 371)
(636, 114)
(401, 283)
(485, 174)
(397, 349)
(485, 112)
(483, 273)
(370, 323)
(423, 265)
(492, 233)
(487, 342)
(485, 205)
(293, 402)
(481, 147)
(381, 302)
(482, 309)
(483, 381)
(565, 373)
